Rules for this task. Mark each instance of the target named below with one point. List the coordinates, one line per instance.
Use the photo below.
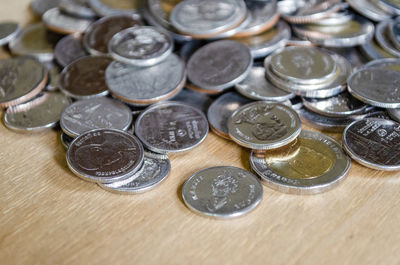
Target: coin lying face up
(222, 192)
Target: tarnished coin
(79, 8)
(39, 7)
(68, 49)
(264, 126)
(374, 143)
(146, 85)
(219, 65)
(313, 11)
(40, 113)
(22, 78)
(96, 113)
(154, 171)
(141, 46)
(65, 140)
(171, 127)
(85, 77)
(221, 109)
(222, 192)
(383, 39)
(377, 87)
(257, 87)
(99, 34)
(314, 163)
(116, 7)
(105, 155)
(370, 9)
(200, 101)
(62, 23)
(394, 114)
(8, 31)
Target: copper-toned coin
(100, 33)
(105, 155)
(63, 23)
(22, 78)
(68, 49)
(85, 77)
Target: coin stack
(139, 80)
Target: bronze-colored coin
(85, 77)
(68, 49)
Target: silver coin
(374, 143)
(8, 31)
(116, 7)
(58, 22)
(209, 17)
(373, 51)
(39, 7)
(219, 65)
(387, 63)
(315, 164)
(96, 113)
(222, 192)
(394, 114)
(257, 87)
(154, 171)
(221, 109)
(383, 39)
(65, 140)
(233, 31)
(375, 86)
(198, 100)
(141, 46)
(69, 49)
(370, 9)
(146, 85)
(171, 127)
(77, 8)
(40, 113)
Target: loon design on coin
(68, 49)
(222, 192)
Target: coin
(373, 51)
(22, 78)
(394, 33)
(68, 49)
(62, 23)
(171, 127)
(339, 18)
(53, 70)
(374, 143)
(161, 11)
(8, 31)
(263, 126)
(219, 65)
(85, 77)
(387, 63)
(96, 113)
(105, 155)
(99, 34)
(198, 100)
(352, 55)
(38, 114)
(39, 7)
(370, 9)
(314, 163)
(154, 171)
(141, 46)
(77, 8)
(66, 140)
(146, 85)
(383, 39)
(394, 114)
(222, 192)
(392, 5)
(116, 7)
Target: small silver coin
(77, 8)
(154, 171)
(65, 140)
(105, 155)
(8, 31)
(375, 86)
(40, 113)
(62, 23)
(69, 49)
(257, 87)
(141, 46)
(374, 143)
(383, 39)
(219, 65)
(198, 100)
(96, 113)
(116, 7)
(394, 114)
(222, 192)
(370, 9)
(39, 7)
(315, 164)
(171, 127)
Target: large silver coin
(171, 127)
(222, 192)
(77, 8)
(146, 85)
(219, 65)
(62, 23)
(383, 39)
(313, 164)
(394, 114)
(105, 155)
(374, 143)
(86, 115)
(8, 31)
(141, 46)
(153, 172)
(69, 49)
(370, 9)
(116, 7)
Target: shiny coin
(257, 87)
(116, 7)
(39, 7)
(99, 34)
(40, 113)
(85, 77)
(219, 65)
(66, 140)
(154, 171)
(68, 49)
(22, 78)
(313, 11)
(105, 155)
(377, 87)
(383, 39)
(8, 31)
(370, 9)
(394, 114)
(222, 192)
(62, 23)
(77, 8)
(263, 126)
(146, 85)
(141, 46)
(96, 113)
(374, 143)
(222, 109)
(198, 100)
(171, 127)
(314, 163)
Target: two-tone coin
(68, 49)
(8, 31)
(63, 23)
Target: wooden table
(49, 216)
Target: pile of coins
(139, 80)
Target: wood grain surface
(49, 216)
